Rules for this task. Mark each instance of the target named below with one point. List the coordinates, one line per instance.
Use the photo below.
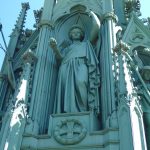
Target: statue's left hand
(53, 43)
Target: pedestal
(74, 131)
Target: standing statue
(78, 76)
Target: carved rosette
(69, 131)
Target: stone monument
(80, 80)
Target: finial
(25, 5)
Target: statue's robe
(78, 79)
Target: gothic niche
(76, 51)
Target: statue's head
(76, 32)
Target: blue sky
(9, 11)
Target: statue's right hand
(53, 43)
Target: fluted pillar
(17, 114)
(43, 86)
(108, 100)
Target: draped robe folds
(78, 80)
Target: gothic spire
(22, 17)
(17, 31)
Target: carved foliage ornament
(132, 6)
(69, 131)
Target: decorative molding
(136, 30)
(109, 16)
(130, 7)
(46, 23)
(137, 36)
(37, 15)
(121, 46)
(64, 7)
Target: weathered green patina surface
(83, 82)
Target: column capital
(110, 16)
(46, 23)
(121, 46)
(29, 57)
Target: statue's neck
(76, 42)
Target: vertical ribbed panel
(43, 95)
(108, 84)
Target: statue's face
(76, 34)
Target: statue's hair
(74, 27)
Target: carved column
(109, 116)
(43, 87)
(17, 113)
(131, 129)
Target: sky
(9, 11)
